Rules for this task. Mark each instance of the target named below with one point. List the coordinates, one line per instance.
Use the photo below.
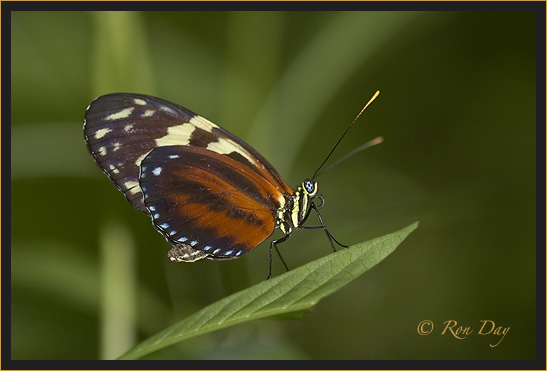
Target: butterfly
(210, 194)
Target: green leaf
(293, 291)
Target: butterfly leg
(322, 226)
(274, 244)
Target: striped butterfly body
(209, 193)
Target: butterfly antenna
(345, 132)
(368, 144)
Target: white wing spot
(164, 225)
(239, 252)
(148, 113)
(132, 187)
(216, 251)
(127, 128)
(193, 243)
(202, 123)
(117, 146)
(168, 110)
(140, 102)
(124, 113)
(229, 252)
(102, 151)
(139, 160)
(182, 239)
(177, 135)
(174, 156)
(226, 146)
(152, 208)
(157, 171)
(207, 248)
(113, 169)
(101, 133)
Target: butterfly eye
(310, 187)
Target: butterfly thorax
(292, 214)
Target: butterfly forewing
(206, 201)
(121, 129)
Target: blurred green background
(90, 277)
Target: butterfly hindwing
(203, 201)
